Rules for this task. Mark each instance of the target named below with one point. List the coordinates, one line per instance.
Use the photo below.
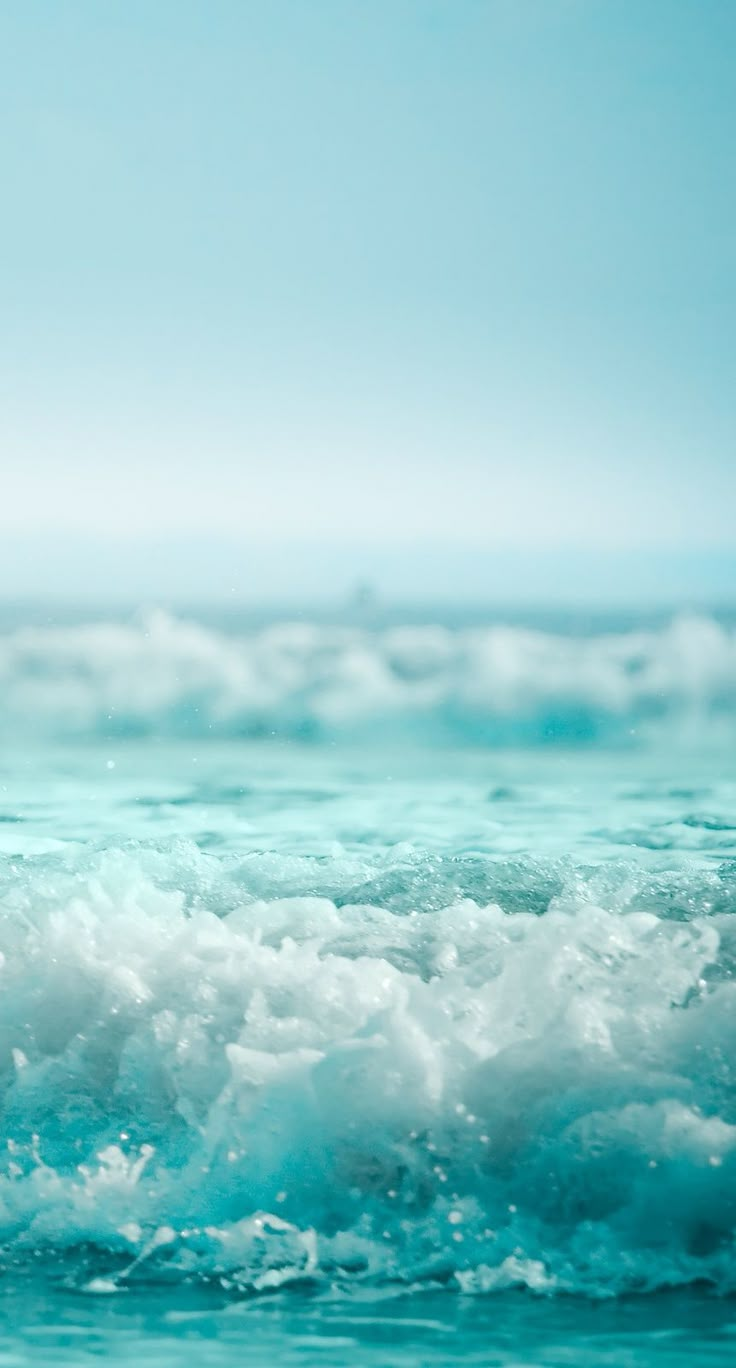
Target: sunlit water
(368, 998)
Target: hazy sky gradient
(391, 274)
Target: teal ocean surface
(368, 991)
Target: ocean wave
(502, 684)
(525, 1079)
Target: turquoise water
(162, 1327)
(368, 993)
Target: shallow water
(359, 1050)
(161, 1327)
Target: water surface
(368, 993)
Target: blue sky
(398, 279)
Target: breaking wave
(503, 684)
(527, 1078)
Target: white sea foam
(202, 1076)
(175, 677)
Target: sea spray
(202, 1077)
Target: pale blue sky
(389, 274)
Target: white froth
(295, 1089)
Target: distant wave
(530, 1085)
(501, 684)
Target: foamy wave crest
(505, 684)
(202, 1078)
